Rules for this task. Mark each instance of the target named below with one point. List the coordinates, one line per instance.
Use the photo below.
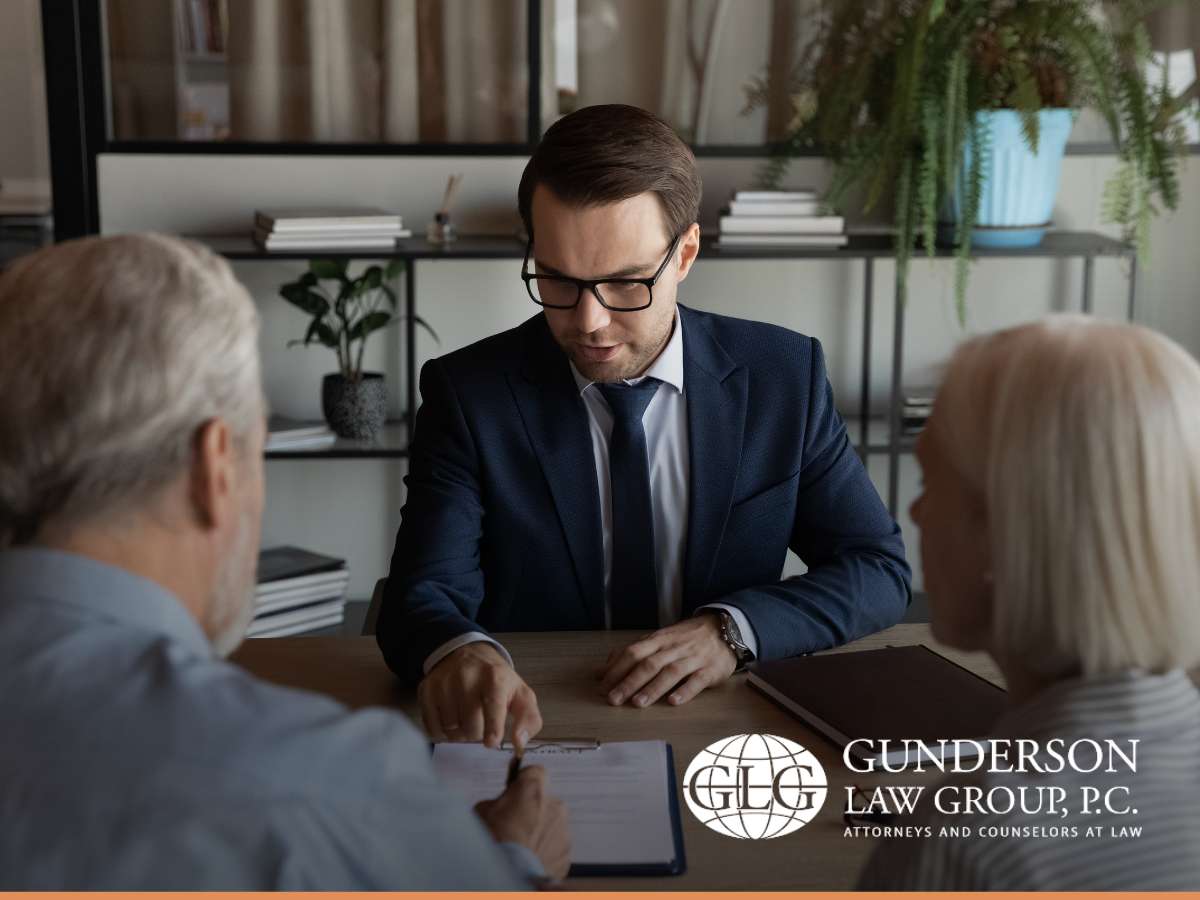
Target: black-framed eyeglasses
(617, 294)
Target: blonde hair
(1083, 437)
(113, 351)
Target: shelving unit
(15, 243)
(876, 437)
(391, 443)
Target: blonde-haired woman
(1060, 533)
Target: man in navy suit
(622, 461)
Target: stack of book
(328, 228)
(916, 409)
(290, 434)
(780, 219)
(25, 204)
(298, 591)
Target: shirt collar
(667, 367)
(99, 591)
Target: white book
(782, 225)
(277, 603)
(301, 627)
(331, 243)
(325, 580)
(782, 208)
(319, 217)
(314, 442)
(330, 234)
(332, 226)
(328, 585)
(304, 616)
(775, 196)
(283, 427)
(358, 235)
(782, 240)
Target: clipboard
(654, 825)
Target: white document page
(617, 795)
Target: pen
(514, 767)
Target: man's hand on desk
(527, 814)
(469, 694)
(691, 652)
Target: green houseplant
(345, 311)
(898, 93)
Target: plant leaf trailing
(343, 320)
(890, 90)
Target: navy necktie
(633, 585)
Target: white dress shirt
(667, 447)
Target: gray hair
(113, 352)
(1083, 438)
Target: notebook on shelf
(278, 563)
(792, 195)
(322, 218)
(292, 434)
(825, 225)
(893, 693)
(782, 240)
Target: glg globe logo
(754, 786)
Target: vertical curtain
(690, 61)
(377, 70)
(1176, 29)
(333, 70)
(142, 72)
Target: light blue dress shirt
(131, 758)
(667, 448)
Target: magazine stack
(298, 591)
(795, 218)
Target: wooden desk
(559, 666)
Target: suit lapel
(557, 423)
(716, 391)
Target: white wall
(23, 136)
(352, 507)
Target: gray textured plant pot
(354, 409)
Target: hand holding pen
(527, 814)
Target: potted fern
(961, 109)
(345, 311)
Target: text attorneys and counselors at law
(622, 461)
(1060, 520)
(132, 756)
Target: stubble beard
(232, 607)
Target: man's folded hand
(683, 659)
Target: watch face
(732, 633)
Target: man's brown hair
(611, 152)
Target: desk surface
(559, 666)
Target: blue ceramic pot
(1019, 186)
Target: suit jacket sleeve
(858, 580)
(436, 584)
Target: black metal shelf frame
(77, 85)
(864, 248)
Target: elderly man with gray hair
(131, 491)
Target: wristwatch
(732, 635)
